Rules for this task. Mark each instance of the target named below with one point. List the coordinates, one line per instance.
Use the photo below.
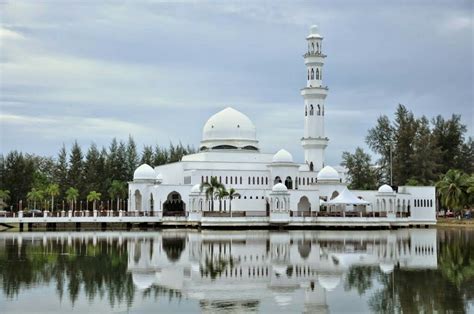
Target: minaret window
(308, 75)
(312, 45)
(305, 111)
(311, 166)
(317, 74)
(312, 73)
(319, 110)
(323, 110)
(317, 47)
(311, 110)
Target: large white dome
(328, 173)
(144, 172)
(282, 156)
(229, 129)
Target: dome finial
(314, 29)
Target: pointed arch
(317, 73)
(174, 204)
(312, 73)
(311, 110)
(277, 180)
(289, 183)
(304, 204)
(319, 110)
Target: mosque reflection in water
(410, 270)
(220, 267)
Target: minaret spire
(314, 141)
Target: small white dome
(279, 187)
(329, 282)
(196, 188)
(328, 173)
(229, 128)
(386, 268)
(143, 280)
(314, 32)
(385, 189)
(144, 172)
(282, 156)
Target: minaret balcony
(316, 91)
(314, 54)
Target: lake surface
(408, 270)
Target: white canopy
(347, 198)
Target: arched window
(289, 183)
(312, 46)
(207, 179)
(317, 73)
(311, 166)
(258, 180)
(305, 111)
(299, 181)
(231, 180)
(323, 110)
(312, 73)
(202, 179)
(226, 180)
(308, 74)
(253, 180)
(235, 180)
(220, 179)
(311, 110)
(317, 47)
(321, 74)
(266, 180)
(319, 110)
(240, 180)
(151, 202)
(249, 181)
(277, 180)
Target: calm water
(411, 270)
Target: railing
(175, 214)
(247, 213)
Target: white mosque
(272, 188)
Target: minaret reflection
(296, 269)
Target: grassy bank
(453, 222)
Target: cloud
(158, 70)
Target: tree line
(414, 151)
(76, 174)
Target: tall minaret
(314, 141)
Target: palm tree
(210, 188)
(34, 195)
(220, 194)
(232, 193)
(117, 190)
(4, 198)
(452, 189)
(93, 197)
(71, 196)
(52, 190)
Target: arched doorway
(289, 183)
(138, 200)
(174, 205)
(304, 204)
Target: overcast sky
(94, 70)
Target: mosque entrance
(304, 204)
(174, 205)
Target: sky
(93, 70)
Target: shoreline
(453, 222)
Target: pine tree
(132, 158)
(425, 155)
(381, 140)
(92, 174)
(61, 171)
(362, 175)
(76, 169)
(147, 156)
